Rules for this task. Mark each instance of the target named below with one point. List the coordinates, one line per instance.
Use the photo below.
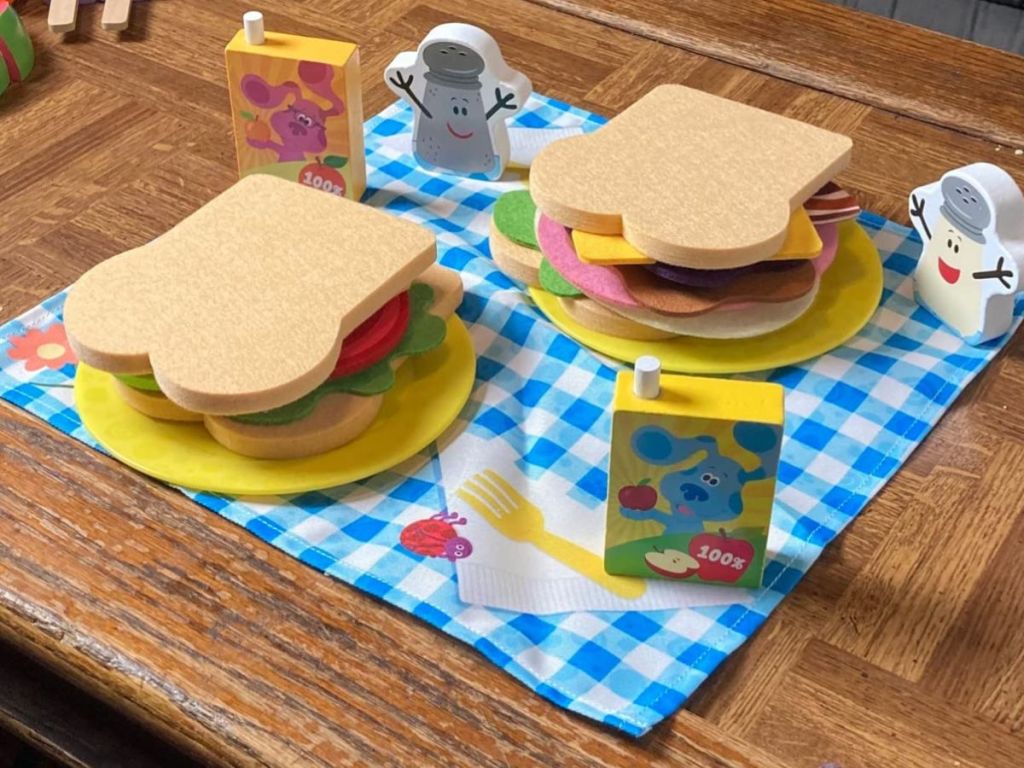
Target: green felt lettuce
(514, 215)
(424, 333)
(552, 282)
(145, 382)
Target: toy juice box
(297, 111)
(692, 479)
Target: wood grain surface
(901, 647)
(45, 711)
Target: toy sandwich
(686, 215)
(276, 315)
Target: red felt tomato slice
(375, 338)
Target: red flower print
(43, 349)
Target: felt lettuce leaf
(146, 382)
(514, 215)
(424, 333)
(552, 282)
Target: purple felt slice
(712, 278)
(715, 278)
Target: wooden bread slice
(338, 418)
(243, 306)
(689, 178)
(517, 261)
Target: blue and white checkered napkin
(853, 416)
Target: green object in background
(17, 56)
(514, 215)
(552, 282)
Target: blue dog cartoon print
(709, 491)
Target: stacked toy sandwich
(686, 215)
(275, 315)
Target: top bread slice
(688, 178)
(244, 305)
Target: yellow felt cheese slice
(802, 242)
(606, 250)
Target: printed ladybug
(436, 537)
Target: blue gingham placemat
(852, 417)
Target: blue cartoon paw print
(711, 490)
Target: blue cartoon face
(709, 491)
(712, 489)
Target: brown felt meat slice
(243, 306)
(669, 298)
(731, 323)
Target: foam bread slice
(338, 418)
(518, 261)
(243, 306)
(688, 178)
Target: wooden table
(902, 647)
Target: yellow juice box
(692, 479)
(297, 110)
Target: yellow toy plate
(849, 294)
(802, 242)
(429, 392)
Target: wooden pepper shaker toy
(462, 92)
(971, 222)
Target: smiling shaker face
(464, 117)
(459, 138)
(957, 256)
(944, 281)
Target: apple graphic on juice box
(720, 557)
(671, 563)
(325, 175)
(641, 496)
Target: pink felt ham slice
(604, 284)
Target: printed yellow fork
(517, 519)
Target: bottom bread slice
(154, 404)
(515, 260)
(337, 419)
(596, 317)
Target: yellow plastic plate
(429, 392)
(849, 294)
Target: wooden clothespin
(115, 14)
(64, 14)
